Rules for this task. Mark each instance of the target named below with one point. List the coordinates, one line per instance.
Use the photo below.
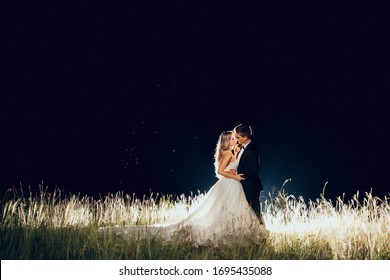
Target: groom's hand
(240, 177)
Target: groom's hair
(243, 130)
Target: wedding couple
(230, 210)
(240, 163)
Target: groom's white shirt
(242, 150)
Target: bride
(222, 214)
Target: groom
(249, 166)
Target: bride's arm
(224, 163)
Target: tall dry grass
(319, 229)
(56, 210)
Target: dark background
(99, 99)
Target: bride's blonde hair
(223, 144)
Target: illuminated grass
(56, 226)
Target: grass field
(57, 226)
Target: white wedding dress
(221, 216)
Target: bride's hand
(239, 177)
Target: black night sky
(98, 99)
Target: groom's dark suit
(249, 166)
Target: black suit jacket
(249, 165)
